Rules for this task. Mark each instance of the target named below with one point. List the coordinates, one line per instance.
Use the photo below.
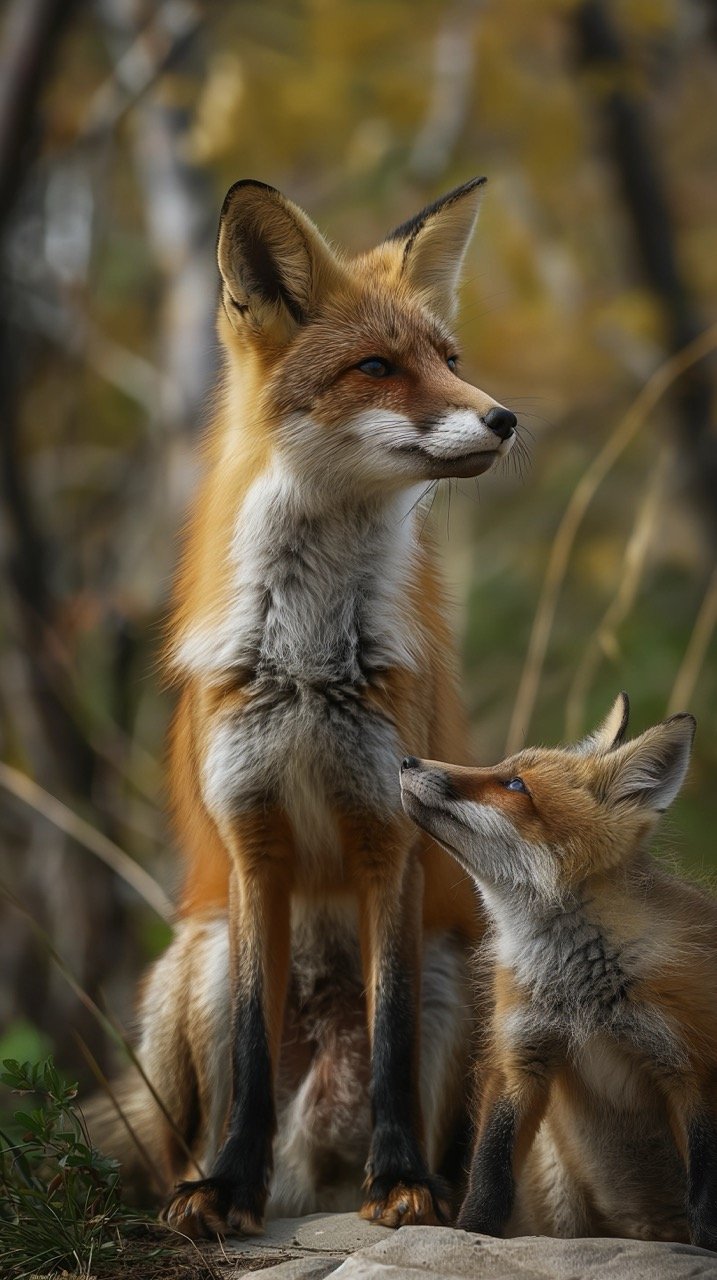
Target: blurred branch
(29, 40)
(32, 31)
(83, 833)
(159, 41)
(74, 333)
(615, 445)
(696, 651)
(604, 639)
(450, 95)
(62, 756)
(634, 157)
(179, 210)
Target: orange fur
(603, 1041)
(297, 325)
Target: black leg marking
(455, 1162)
(491, 1189)
(395, 1156)
(702, 1181)
(245, 1158)
(239, 1179)
(394, 1149)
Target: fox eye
(515, 784)
(376, 367)
(452, 363)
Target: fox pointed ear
(610, 732)
(434, 243)
(272, 260)
(650, 770)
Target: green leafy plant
(59, 1196)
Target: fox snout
(465, 440)
(431, 781)
(434, 796)
(423, 777)
(501, 421)
(424, 786)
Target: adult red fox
(604, 966)
(310, 650)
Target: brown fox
(598, 1108)
(310, 650)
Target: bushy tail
(130, 1127)
(167, 1102)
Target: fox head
(545, 820)
(352, 363)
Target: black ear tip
(409, 229)
(457, 193)
(242, 183)
(686, 719)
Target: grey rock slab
(334, 1234)
(306, 1268)
(338, 1233)
(279, 1234)
(440, 1253)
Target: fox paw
(423, 1203)
(479, 1224)
(208, 1208)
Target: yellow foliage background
(362, 111)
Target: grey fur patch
(579, 977)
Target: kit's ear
(272, 260)
(433, 245)
(610, 732)
(650, 770)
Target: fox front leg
(702, 1179)
(232, 1199)
(692, 1112)
(399, 1188)
(514, 1104)
(694, 1125)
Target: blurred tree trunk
(157, 57)
(73, 897)
(180, 210)
(634, 157)
(454, 71)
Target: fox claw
(417, 1204)
(205, 1209)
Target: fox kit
(309, 647)
(604, 971)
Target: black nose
(502, 421)
(410, 762)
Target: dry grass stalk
(35, 796)
(696, 651)
(604, 639)
(616, 444)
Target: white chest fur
(319, 610)
(320, 593)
